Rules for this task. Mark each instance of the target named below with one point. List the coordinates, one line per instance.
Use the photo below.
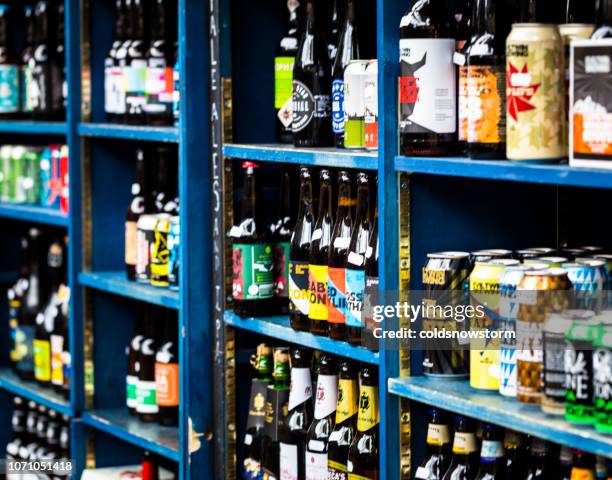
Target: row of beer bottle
(485, 451)
(39, 312)
(152, 233)
(152, 382)
(33, 83)
(38, 434)
(295, 434)
(313, 107)
(140, 69)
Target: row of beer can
(34, 175)
(554, 316)
(360, 104)
(157, 250)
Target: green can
(7, 193)
(19, 173)
(602, 378)
(31, 175)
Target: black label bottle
(299, 255)
(113, 78)
(30, 444)
(311, 122)
(516, 454)
(159, 81)
(338, 252)
(146, 402)
(27, 56)
(492, 462)
(252, 261)
(427, 89)
(123, 62)
(540, 465)
(326, 399)
(485, 81)
(363, 457)
(133, 360)
(465, 451)
(565, 463)
(167, 371)
(59, 83)
(348, 49)
(18, 426)
(319, 257)
(136, 66)
(603, 23)
(281, 235)
(342, 435)
(580, 11)
(299, 417)
(356, 261)
(371, 289)
(139, 205)
(438, 449)
(283, 74)
(9, 70)
(262, 363)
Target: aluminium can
(174, 243)
(144, 238)
(371, 105)
(354, 104)
(572, 253)
(589, 278)
(534, 72)
(555, 262)
(160, 252)
(490, 254)
(602, 379)
(527, 253)
(19, 171)
(444, 278)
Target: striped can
(588, 276)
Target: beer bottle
(136, 67)
(42, 420)
(167, 371)
(176, 92)
(18, 434)
(335, 26)
(276, 407)
(311, 122)
(9, 70)
(577, 11)
(139, 205)
(146, 402)
(363, 455)
(516, 454)
(319, 256)
(338, 251)
(465, 451)
(298, 419)
(64, 438)
(56, 313)
(427, 96)
(27, 56)
(159, 81)
(343, 433)
(299, 255)
(252, 262)
(52, 435)
(540, 466)
(371, 288)
(584, 466)
(348, 49)
(15, 299)
(45, 64)
(603, 20)
(253, 437)
(112, 72)
(166, 182)
(30, 443)
(356, 260)
(122, 59)
(283, 74)
(132, 353)
(492, 463)
(59, 87)
(326, 399)
(281, 235)
(60, 347)
(485, 82)
(438, 449)
(565, 463)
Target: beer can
(371, 105)
(8, 179)
(539, 293)
(50, 181)
(556, 327)
(508, 310)
(571, 253)
(354, 104)
(30, 180)
(145, 236)
(174, 243)
(589, 278)
(160, 252)
(592, 249)
(490, 254)
(534, 71)
(579, 406)
(602, 379)
(543, 251)
(485, 282)
(552, 262)
(18, 171)
(527, 253)
(445, 275)
(64, 179)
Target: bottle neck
(3, 28)
(137, 17)
(604, 13)
(305, 198)
(325, 200)
(249, 197)
(310, 16)
(42, 23)
(344, 200)
(158, 21)
(485, 17)
(363, 204)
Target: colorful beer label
(24, 339)
(485, 118)
(326, 396)
(491, 450)
(368, 415)
(145, 397)
(131, 243)
(159, 88)
(160, 255)
(317, 285)
(283, 81)
(57, 368)
(135, 81)
(298, 287)
(130, 382)
(315, 465)
(427, 90)
(437, 434)
(338, 106)
(42, 360)
(9, 88)
(303, 106)
(535, 110)
(347, 399)
(167, 384)
(288, 461)
(336, 470)
(281, 269)
(582, 474)
(462, 99)
(336, 291)
(370, 96)
(579, 383)
(602, 388)
(355, 287)
(354, 476)
(27, 103)
(301, 387)
(553, 369)
(176, 93)
(464, 443)
(252, 271)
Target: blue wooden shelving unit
(129, 132)
(34, 214)
(28, 127)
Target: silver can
(354, 104)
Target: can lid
(450, 255)
(506, 262)
(559, 260)
(535, 265)
(591, 262)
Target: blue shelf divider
(35, 214)
(278, 327)
(28, 127)
(118, 284)
(129, 132)
(458, 396)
